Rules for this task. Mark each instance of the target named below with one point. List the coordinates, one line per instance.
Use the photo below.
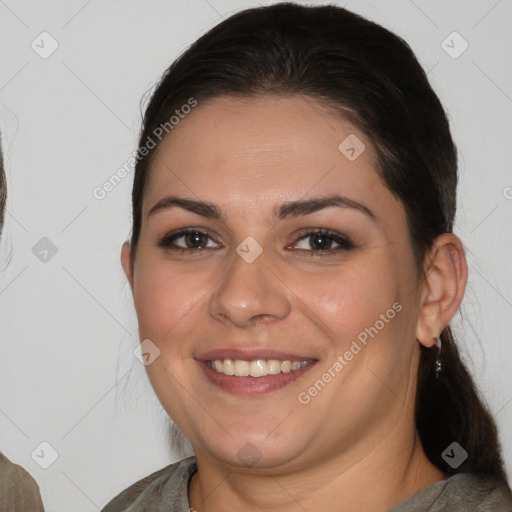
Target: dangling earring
(438, 366)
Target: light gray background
(68, 375)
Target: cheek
(352, 299)
(164, 296)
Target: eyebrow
(288, 209)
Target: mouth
(254, 374)
(258, 368)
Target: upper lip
(250, 354)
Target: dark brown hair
(3, 188)
(371, 77)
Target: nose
(250, 294)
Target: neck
(373, 482)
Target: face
(267, 274)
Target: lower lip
(252, 385)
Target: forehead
(268, 148)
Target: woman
(294, 272)
(18, 490)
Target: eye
(315, 242)
(186, 240)
(322, 240)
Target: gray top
(167, 491)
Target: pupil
(194, 239)
(319, 241)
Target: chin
(253, 448)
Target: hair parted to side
(373, 79)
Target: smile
(258, 368)
(253, 377)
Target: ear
(443, 288)
(126, 262)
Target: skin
(354, 446)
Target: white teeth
(274, 367)
(258, 368)
(228, 367)
(242, 368)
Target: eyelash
(344, 243)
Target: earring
(438, 366)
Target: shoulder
(163, 490)
(18, 490)
(462, 492)
(476, 493)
